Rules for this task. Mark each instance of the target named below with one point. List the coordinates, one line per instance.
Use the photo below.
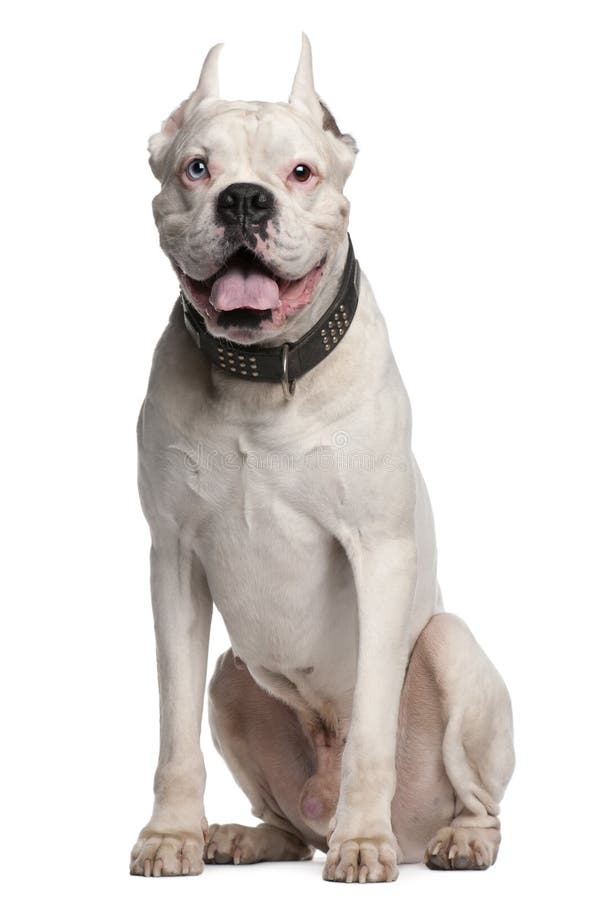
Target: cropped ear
(303, 93)
(304, 97)
(207, 89)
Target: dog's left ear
(207, 89)
(304, 96)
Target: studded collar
(287, 363)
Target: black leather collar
(284, 364)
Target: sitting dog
(278, 481)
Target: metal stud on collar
(288, 386)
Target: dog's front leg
(172, 841)
(362, 846)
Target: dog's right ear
(207, 89)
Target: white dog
(277, 478)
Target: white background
(471, 211)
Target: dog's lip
(243, 255)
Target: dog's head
(251, 208)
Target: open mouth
(245, 295)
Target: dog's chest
(259, 514)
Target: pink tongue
(253, 291)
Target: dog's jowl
(278, 481)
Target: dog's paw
(244, 844)
(171, 853)
(362, 860)
(463, 848)
(232, 844)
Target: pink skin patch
(296, 294)
(312, 807)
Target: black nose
(245, 204)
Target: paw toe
(462, 848)
(157, 855)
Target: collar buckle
(288, 386)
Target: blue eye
(196, 169)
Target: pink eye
(301, 173)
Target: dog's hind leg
(477, 748)
(262, 742)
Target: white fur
(306, 521)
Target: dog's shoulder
(175, 408)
